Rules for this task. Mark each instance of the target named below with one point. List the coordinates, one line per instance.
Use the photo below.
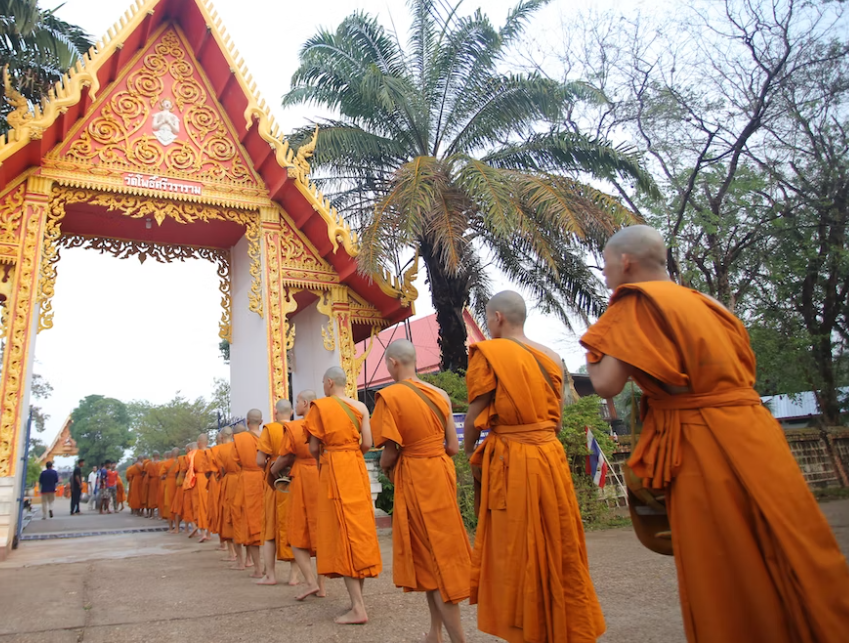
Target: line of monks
(756, 559)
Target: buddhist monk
(214, 492)
(247, 508)
(145, 484)
(275, 515)
(179, 494)
(152, 476)
(228, 471)
(756, 559)
(530, 575)
(347, 536)
(119, 494)
(201, 490)
(189, 509)
(168, 483)
(430, 547)
(302, 528)
(134, 479)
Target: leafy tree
(175, 424)
(438, 152)
(224, 350)
(452, 383)
(37, 447)
(34, 469)
(38, 47)
(221, 396)
(41, 390)
(101, 428)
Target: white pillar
(310, 359)
(249, 378)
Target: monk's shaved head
(511, 305)
(336, 375)
(283, 406)
(203, 439)
(239, 428)
(402, 351)
(642, 243)
(308, 395)
(254, 417)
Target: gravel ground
(142, 587)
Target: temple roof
(283, 173)
(63, 445)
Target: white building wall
(249, 380)
(309, 357)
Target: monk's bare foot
(192, 535)
(294, 582)
(256, 575)
(429, 638)
(249, 564)
(223, 548)
(311, 591)
(352, 618)
(237, 568)
(229, 560)
(203, 539)
(321, 594)
(266, 581)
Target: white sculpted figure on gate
(166, 125)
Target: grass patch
(831, 493)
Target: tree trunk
(450, 296)
(828, 397)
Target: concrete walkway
(142, 587)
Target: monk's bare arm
(389, 456)
(366, 430)
(315, 448)
(608, 376)
(261, 459)
(452, 444)
(282, 463)
(470, 433)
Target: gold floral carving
(18, 334)
(139, 208)
(325, 307)
(204, 147)
(277, 366)
(11, 215)
(164, 253)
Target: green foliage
(33, 470)
(174, 424)
(385, 500)
(38, 47)
(466, 492)
(440, 152)
(224, 350)
(40, 390)
(37, 447)
(101, 428)
(221, 396)
(453, 383)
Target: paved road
(140, 587)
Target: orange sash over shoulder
(756, 558)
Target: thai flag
(596, 462)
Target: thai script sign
(161, 183)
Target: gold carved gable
(161, 118)
(300, 262)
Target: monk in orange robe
(152, 478)
(119, 494)
(179, 494)
(248, 504)
(347, 536)
(214, 492)
(275, 515)
(227, 497)
(756, 559)
(302, 528)
(530, 574)
(189, 509)
(134, 480)
(412, 420)
(168, 486)
(145, 484)
(201, 491)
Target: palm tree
(38, 48)
(438, 152)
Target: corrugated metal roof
(801, 405)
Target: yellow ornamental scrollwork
(142, 208)
(275, 322)
(325, 307)
(164, 253)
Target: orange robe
(302, 527)
(430, 546)
(200, 493)
(530, 575)
(229, 487)
(248, 502)
(756, 558)
(152, 477)
(179, 493)
(134, 480)
(119, 494)
(347, 536)
(214, 490)
(145, 484)
(188, 510)
(275, 514)
(168, 485)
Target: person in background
(47, 482)
(92, 488)
(102, 495)
(111, 486)
(77, 487)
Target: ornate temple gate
(157, 146)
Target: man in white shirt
(92, 488)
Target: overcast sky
(135, 331)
